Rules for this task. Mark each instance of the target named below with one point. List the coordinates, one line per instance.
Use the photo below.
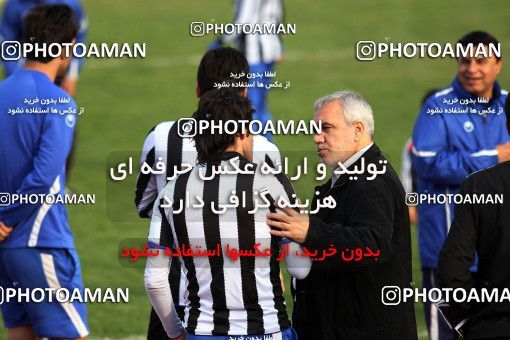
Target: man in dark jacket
(481, 227)
(343, 296)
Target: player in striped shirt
(224, 297)
(263, 51)
(163, 143)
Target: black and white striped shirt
(258, 48)
(223, 297)
(163, 143)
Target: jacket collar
(369, 155)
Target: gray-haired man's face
(337, 142)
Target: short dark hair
(49, 24)
(219, 105)
(479, 37)
(217, 65)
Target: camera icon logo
(391, 295)
(11, 50)
(197, 29)
(365, 50)
(187, 127)
(412, 199)
(5, 199)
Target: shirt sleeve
(371, 226)
(146, 186)
(298, 266)
(459, 249)
(158, 289)
(434, 161)
(160, 232)
(158, 268)
(49, 162)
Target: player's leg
(15, 319)
(21, 333)
(437, 326)
(35, 270)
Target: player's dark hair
(478, 37)
(217, 65)
(49, 24)
(219, 105)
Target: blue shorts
(29, 268)
(287, 334)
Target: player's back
(36, 126)
(229, 295)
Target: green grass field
(123, 99)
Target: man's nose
(472, 66)
(318, 138)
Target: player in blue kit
(37, 121)
(11, 29)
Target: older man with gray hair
(363, 243)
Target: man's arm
(54, 146)
(432, 158)
(371, 226)
(156, 275)
(146, 187)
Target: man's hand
(292, 224)
(4, 231)
(69, 85)
(503, 152)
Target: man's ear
(499, 65)
(69, 53)
(197, 90)
(359, 130)
(244, 92)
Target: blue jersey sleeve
(432, 158)
(49, 162)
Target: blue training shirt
(455, 135)
(33, 152)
